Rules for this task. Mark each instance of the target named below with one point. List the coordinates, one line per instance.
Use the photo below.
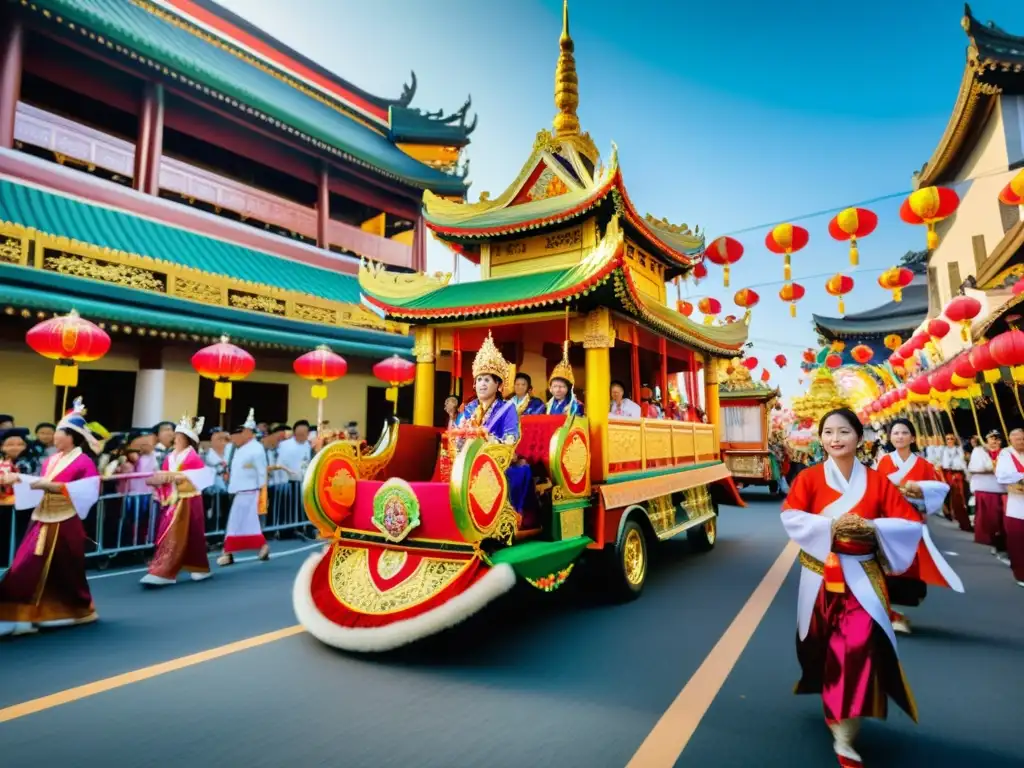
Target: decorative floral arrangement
(552, 581)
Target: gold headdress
(563, 370)
(490, 361)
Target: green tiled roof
(56, 214)
(49, 291)
(129, 25)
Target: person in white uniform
(247, 482)
(1010, 472)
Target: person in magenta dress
(46, 584)
(181, 531)
(499, 418)
(853, 528)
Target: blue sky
(729, 115)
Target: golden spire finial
(567, 84)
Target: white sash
(902, 467)
(201, 479)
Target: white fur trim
(496, 582)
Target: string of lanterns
(924, 207)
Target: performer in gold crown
(498, 420)
(561, 384)
(180, 537)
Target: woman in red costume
(46, 584)
(920, 484)
(954, 472)
(850, 523)
(181, 532)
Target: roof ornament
(408, 91)
(567, 84)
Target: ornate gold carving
(571, 523)
(197, 291)
(375, 280)
(574, 459)
(662, 513)
(423, 344)
(391, 562)
(108, 272)
(10, 249)
(353, 586)
(599, 331)
(485, 488)
(623, 442)
(667, 226)
(746, 466)
(316, 314)
(545, 141)
(507, 526)
(570, 238)
(567, 84)
(256, 303)
(342, 488)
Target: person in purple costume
(500, 419)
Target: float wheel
(703, 537)
(629, 563)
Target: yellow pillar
(711, 405)
(423, 395)
(598, 338)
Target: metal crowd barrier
(121, 524)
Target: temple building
(871, 326)
(981, 150)
(174, 173)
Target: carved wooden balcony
(76, 144)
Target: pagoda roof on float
(561, 181)
(900, 317)
(994, 65)
(197, 43)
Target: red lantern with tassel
(792, 293)
(962, 310)
(938, 328)
(69, 339)
(320, 366)
(929, 206)
(709, 308)
(684, 308)
(698, 273)
(750, 363)
(963, 370)
(851, 223)
(780, 361)
(1008, 348)
(224, 363)
(895, 280)
(839, 285)
(833, 361)
(809, 356)
(395, 372)
(785, 240)
(724, 251)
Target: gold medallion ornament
(575, 459)
(490, 361)
(485, 487)
(396, 510)
(390, 563)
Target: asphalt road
(536, 680)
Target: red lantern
(938, 328)
(862, 353)
(850, 224)
(809, 356)
(750, 363)
(981, 358)
(963, 309)
(895, 280)
(833, 360)
(1013, 193)
(320, 366)
(896, 360)
(918, 341)
(929, 206)
(223, 362)
(724, 251)
(698, 273)
(765, 376)
(920, 386)
(1008, 348)
(395, 372)
(941, 380)
(893, 341)
(963, 370)
(709, 308)
(786, 239)
(840, 285)
(684, 308)
(746, 298)
(780, 361)
(792, 293)
(70, 340)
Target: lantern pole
(974, 413)
(952, 421)
(999, 408)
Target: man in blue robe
(522, 396)
(561, 384)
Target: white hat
(189, 428)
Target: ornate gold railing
(641, 444)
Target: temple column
(598, 339)
(12, 51)
(663, 351)
(712, 408)
(149, 143)
(423, 394)
(323, 209)
(150, 387)
(419, 245)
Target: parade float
(421, 530)
(746, 410)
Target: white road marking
(238, 560)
